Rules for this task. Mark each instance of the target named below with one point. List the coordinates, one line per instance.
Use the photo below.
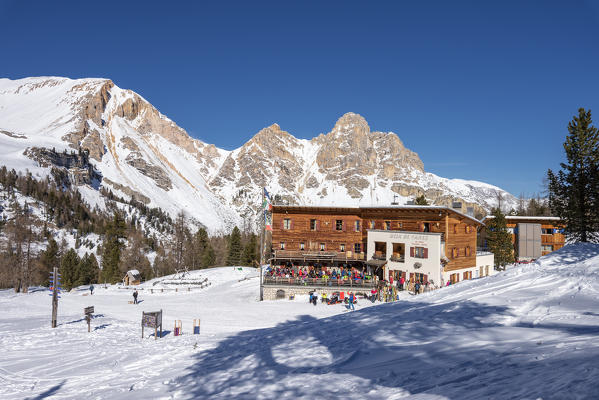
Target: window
(467, 251)
(282, 245)
(468, 228)
(302, 246)
(455, 228)
(400, 225)
(454, 253)
(342, 247)
(547, 231)
(286, 223)
(419, 252)
(371, 224)
(339, 225)
(510, 230)
(357, 226)
(322, 247)
(426, 227)
(387, 225)
(546, 247)
(313, 225)
(358, 248)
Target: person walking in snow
(135, 297)
(351, 301)
(417, 287)
(91, 289)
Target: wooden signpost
(151, 320)
(55, 288)
(88, 311)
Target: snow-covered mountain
(138, 152)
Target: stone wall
(270, 291)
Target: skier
(135, 297)
(351, 301)
(91, 289)
(417, 287)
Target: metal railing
(318, 282)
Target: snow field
(527, 333)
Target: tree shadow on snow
(51, 391)
(401, 347)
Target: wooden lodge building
(532, 236)
(428, 243)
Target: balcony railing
(319, 282)
(318, 255)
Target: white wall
(431, 265)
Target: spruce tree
(209, 256)
(49, 259)
(499, 240)
(250, 251)
(111, 249)
(234, 253)
(69, 269)
(421, 201)
(574, 190)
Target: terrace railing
(318, 255)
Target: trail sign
(151, 320)
(88, 311)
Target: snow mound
(202, 278)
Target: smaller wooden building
(132, 277)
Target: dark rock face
(151, 171)
(77, 164)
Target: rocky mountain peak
(351, 123)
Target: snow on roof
(522, 217)
(133, 272)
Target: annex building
(532, 236)
(425, 243)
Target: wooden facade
(345, 230)
(552, 236)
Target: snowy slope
(530, 332)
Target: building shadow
(401, 348)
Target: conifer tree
(209, 256)
(499, 240)
(49, 259)
(69, 269)
(250, 251)
(234, 248)
(111, 249)
(421, 201)
(574, 190)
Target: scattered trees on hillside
(574, 189)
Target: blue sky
(479, 91)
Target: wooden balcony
(320, 282)
(318, 255)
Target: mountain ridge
(134, 146)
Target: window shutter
(455, 228)
(421, 227)
(425, 278)
(291, 224)
(283, 224)
(317, 225)
(425, 253)
(343, 226)
(411, 252)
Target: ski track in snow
(527, 333)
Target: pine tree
(234, 253)
(499, 240)
(69, 269)
(574, 190)
(250, 251)
(421, 201)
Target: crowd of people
(325, 273)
